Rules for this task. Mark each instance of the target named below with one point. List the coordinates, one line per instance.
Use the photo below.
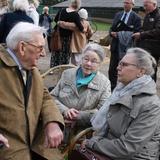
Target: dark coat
(41, 18)
(9, 20)
(150, 34)
(134, 22)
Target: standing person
(10, 19)
(32, 12)
(69, 14)
(124, 21)
(29, 118)
(46, 21)
(130, 121)
(149, 37)
(79, 39)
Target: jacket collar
(6, 58)
(94, 84)
(127, 100)
(154, 12)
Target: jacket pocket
(119, 120)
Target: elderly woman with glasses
(82, 91)
(128, 124)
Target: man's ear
(21, 48)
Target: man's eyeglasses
(40, 48)
(93, 62)
(125, 64)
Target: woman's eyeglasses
(93, 62)
(125, 64)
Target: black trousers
(114, 60)
(49, 41)
(36, 156)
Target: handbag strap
(59, 18)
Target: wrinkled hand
(4, 141)
(72, 114)
(136, 35)
(114, 34)
(53, 135)
(61, 24)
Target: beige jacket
(80, 39)
(24, 127)
(87, 100)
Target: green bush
(101, 26)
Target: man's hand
(4, 141)
(53, 135)
(136, 36)
(72, 114)
(114, 34)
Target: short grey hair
(22, 5)
(78, 3)
(23, 31)
(95, 48)
(153, 1)
(144, 60)
(132, 1)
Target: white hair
(144, 59)
(36, 3)
(83, 13)
(98, 49)
(133, 1)
(23, 31)
(154, 2)
(22, 5)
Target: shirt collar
(12, 54)
(127, 17)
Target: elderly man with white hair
(8, 20)
(149, 37)
(29, 118)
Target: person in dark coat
(69, 14)
(10, 19)
(46, 21)
(149, 37)
(126, 20)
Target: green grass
(101, 26)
